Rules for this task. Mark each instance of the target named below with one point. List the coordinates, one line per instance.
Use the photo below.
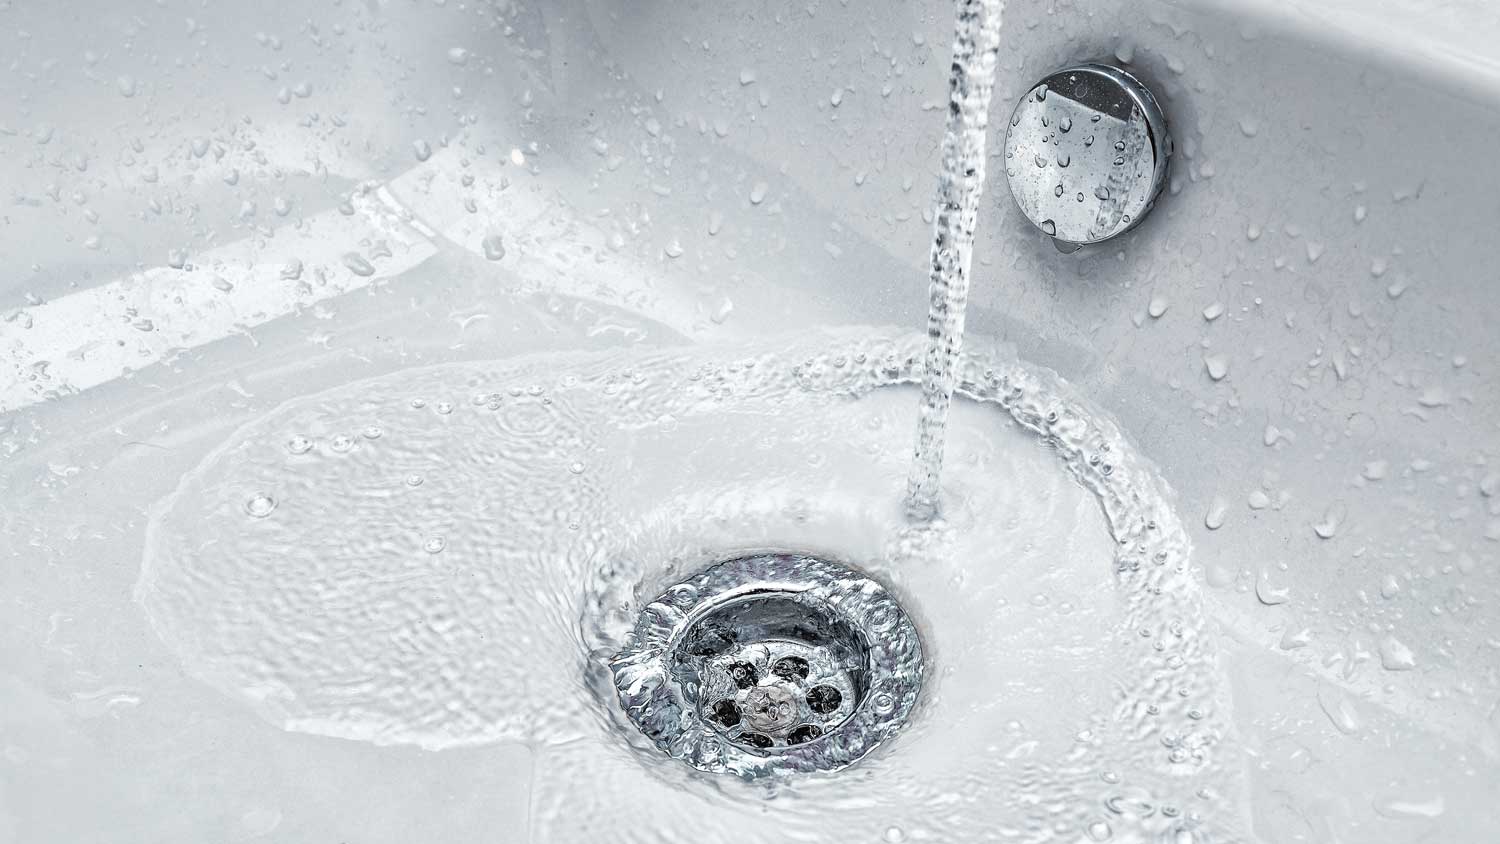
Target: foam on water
(1071, 683)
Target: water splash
(972, 81)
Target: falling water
(972, 80)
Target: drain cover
(770, 662)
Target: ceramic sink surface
(215, 208)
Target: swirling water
(447, 557)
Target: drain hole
(726, 712)
(804, 734)
(770, 653)
(824, 699)
(755, 740)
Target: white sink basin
(214, 210)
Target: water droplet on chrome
(434, 544)
(299, 445)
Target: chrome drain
(770, 662)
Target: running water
(972, 80)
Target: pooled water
(960, 184)
(1071, 688)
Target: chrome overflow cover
(1086, 154)
(768, 663)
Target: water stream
(970, 85)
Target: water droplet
(1401, 807)
(414, 480)
(1063, 160)
(444, 407)
(260, 505)
(758, 192)
(458, 55)
(1335, 704)
(1271, 595)
(372, 432)
(1217, 366)
(422, 149)
(722, 311)
(1039, 160)
(1049, 228)
(1065, 125)
(1057, 191)
(1328, 526)
(1395, 655)
(1294, 638)
(126, 86)
(493, 247)
(341, 443)
(434, 544)
(1101, 193)
(357, 264)
(1041, 93)
(1099, 831)
(299, 445)
(1218, 508)
(576, 468)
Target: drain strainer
(770, 662)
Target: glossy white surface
(1300, 336)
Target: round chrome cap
(1086, 154)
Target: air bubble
(260, 505)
